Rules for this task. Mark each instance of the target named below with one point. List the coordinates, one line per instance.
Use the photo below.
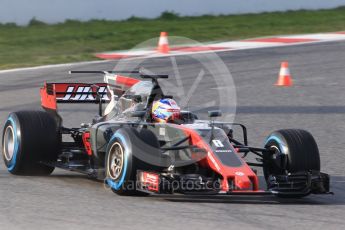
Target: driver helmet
(165, 110)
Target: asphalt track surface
(316, 103)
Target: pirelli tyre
(30, 138)
(123, 159)
(294, 151)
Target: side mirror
(139, 114)
(214, 113)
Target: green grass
(73, 41)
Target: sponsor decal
(150, 181)
(162, 131)
(67, 92)
(223, 150)
(238, 173)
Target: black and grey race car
(123, 146)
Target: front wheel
(122, 159)
(292, 151)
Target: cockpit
(137, 98)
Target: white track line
(283, 40)
(233, 46)
(52, 66)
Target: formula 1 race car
(134, 154)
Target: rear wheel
(293, 151)
(29, 138)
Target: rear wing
(113, 87)
(54, 93)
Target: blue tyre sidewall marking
(282, 146)
(13, 161)
(117, 184)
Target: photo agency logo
(198, 82)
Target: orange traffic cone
(163, 44)
(284, 78)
